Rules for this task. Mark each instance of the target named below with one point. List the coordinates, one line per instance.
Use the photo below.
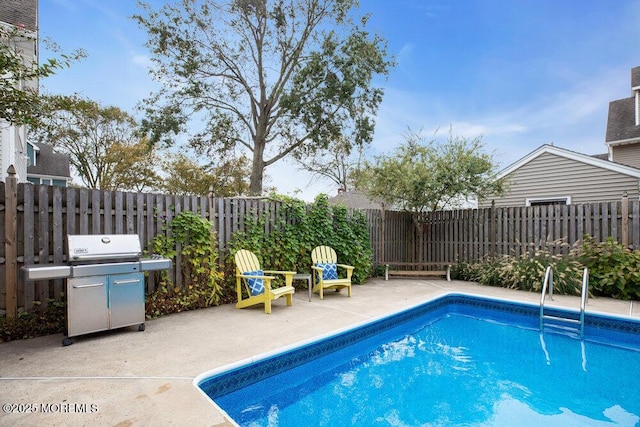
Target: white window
(543, 201)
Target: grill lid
(103, 247)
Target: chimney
(635, 88)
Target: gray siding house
(553, 175)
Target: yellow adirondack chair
(325, 271)
(257, 282)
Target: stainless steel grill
(105, 282)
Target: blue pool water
(458, 360)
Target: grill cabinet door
(126, 299)
(87, 305)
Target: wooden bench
(445, 271)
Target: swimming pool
(457, 360)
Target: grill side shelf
(45, 272)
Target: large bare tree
(336, 163)
(277, 77)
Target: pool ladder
(548, 284)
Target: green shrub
(193, 239)
(613, 269)
(525, 272)
(466, 271)
(489, 273)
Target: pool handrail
(584, 295)
(548, 282)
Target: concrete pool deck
(130, 378)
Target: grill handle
(126, 282)
(90, 285)
(106, 256)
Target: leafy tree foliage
(135, 167)
(20, 102)
(426, 176)
(274, 77)
(185, 176)
(96, 138)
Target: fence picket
(635, 228)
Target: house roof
(573, 155)
(20, 13)
(50, 163)
(621, 121)
(354, 199)
(621, 126)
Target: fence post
(11, 239)
(625, 220)
(383, 240)
(211, 204)
(492, 230)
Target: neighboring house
(354, 199)
(553, 175)
(22, 14)
(47, 167)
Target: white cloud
(405, 52)
(141, 60)
(485, 129)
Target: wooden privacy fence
(35, 220)
(472, 235)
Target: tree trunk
(255, 184)
(257, 168)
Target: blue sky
(519, 73)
